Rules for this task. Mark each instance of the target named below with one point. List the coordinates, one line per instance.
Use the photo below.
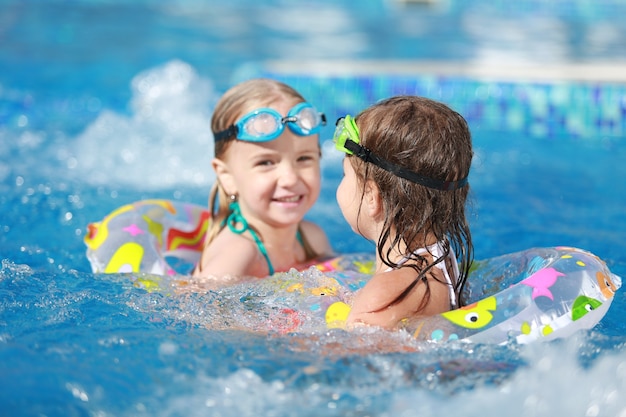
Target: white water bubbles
(164, 142)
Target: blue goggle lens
(266, 124)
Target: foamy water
(75, 343)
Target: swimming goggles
(266, 124)
(347, 140)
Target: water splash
(166, 140)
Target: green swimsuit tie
(236, 218)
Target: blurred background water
(106, 102)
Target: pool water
(106, 102)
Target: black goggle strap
(225, 134)
(367, 156)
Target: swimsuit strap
(437, 252)
(236, 218)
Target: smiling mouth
(293, 199)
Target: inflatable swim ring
(140, 237)
(536, 294)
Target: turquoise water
(107, 102)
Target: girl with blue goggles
(265, 124)
(262, 193)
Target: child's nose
(288, 175)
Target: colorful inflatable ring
(140, 237)
(540, 293)
(536, 294)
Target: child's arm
(371, 304)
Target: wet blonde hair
(236, 102)
(432, 140)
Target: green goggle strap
(348, 141)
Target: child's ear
(224, 176)
(373, 201)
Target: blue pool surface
(107, 102)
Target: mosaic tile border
(555, 109)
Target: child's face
(277, 181)
(349, 194)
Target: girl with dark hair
(405, 188)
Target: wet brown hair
(430, 139)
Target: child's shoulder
(308, 226)
(316, 237)
(231, 253)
